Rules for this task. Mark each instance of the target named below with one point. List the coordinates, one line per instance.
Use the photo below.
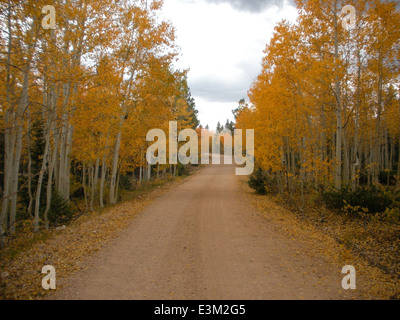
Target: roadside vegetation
(326, 113)
(76, 103)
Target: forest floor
(205, 237)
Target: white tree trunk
(114, 168)
(338, 112)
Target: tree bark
(114, 167)
(338, 112)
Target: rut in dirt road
(202, 240)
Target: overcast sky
(222, 42)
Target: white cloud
(253, 5)
(223, 46)
(212, 112)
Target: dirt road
(201, 240)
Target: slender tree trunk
(8, 158)
(96, 175)
(49, 191)
(386, 165)
(29, 147)
(103, 172)
(8, 132)
(62, 175)
(38, 191)
(398, 165)
(391, 155)
(84, 185)
(91, 183)
(95, 180)
(14, 180)
(116, 187)
(346, 158)
(41, 174)
(22, 106)
(148, 172)
(114, 167)
(67, 165)
(141, 166)
(102, 180)
(302, 179)
(52, 161)
(338, 112)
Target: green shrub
(181, 170)
(60, 209)
(375, 198)
(125, 182)
(387, 176)
(257, 181)
(76, 189)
